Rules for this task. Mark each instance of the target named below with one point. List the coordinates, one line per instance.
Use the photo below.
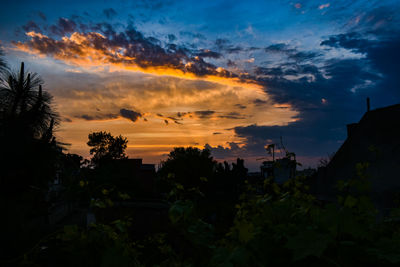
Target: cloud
(279, 48)
(303, 56)
(380, 20)
(175, 120)
(192, 35)
(324, 6)
(291, 53)
(296, 83)
(351, 40)
(31, 26)
(130, 114)
(209, 53)
(152, 5)
(259, 102)
(240, 106)
(183, 114)
(224, 45)
(306, 95)
(381, 56)
(328, 93)
(274, 71)
(171, 118)
(204, 114)
(64, 26)
(109, 13)
(91, 117)
(66, 119)
(231, 63)
(233, 116)
(42, 15)
(171, 37)
(129, 48)
(333, 97)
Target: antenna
(368, 105)
(268, 148)
(282, 145)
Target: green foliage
(282, 226)
(187, 166)
(104, 146)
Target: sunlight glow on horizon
(177, 107)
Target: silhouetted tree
(27, 122)
(110, 167)
(3, 64)
(25, 108)
(29, 154)
(188, 166)
(105, 147)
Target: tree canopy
(105, 146)
(188, 166)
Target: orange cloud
(324, 6)
(195, 97)
(92, 50)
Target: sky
(230, 76)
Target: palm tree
(27, 122)
(3, 65)
(25, 108)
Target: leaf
(203, 179)
(350, 201)
(109, 202)
(70, 232)
(349, 224)
(201, 233)
(246, 231)
(98, 203)
(115, 256)
(387, 249)
(276, 188)
(308, 243)
(180, 210)
(340, 199)
(105, 191)
(123, 196)
(121, 226)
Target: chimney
(368, 106)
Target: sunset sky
(232, 76)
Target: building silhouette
(280, 170)
(373, 141)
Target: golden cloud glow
(93, 50)
(180, 104)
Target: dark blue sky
(319, 60)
